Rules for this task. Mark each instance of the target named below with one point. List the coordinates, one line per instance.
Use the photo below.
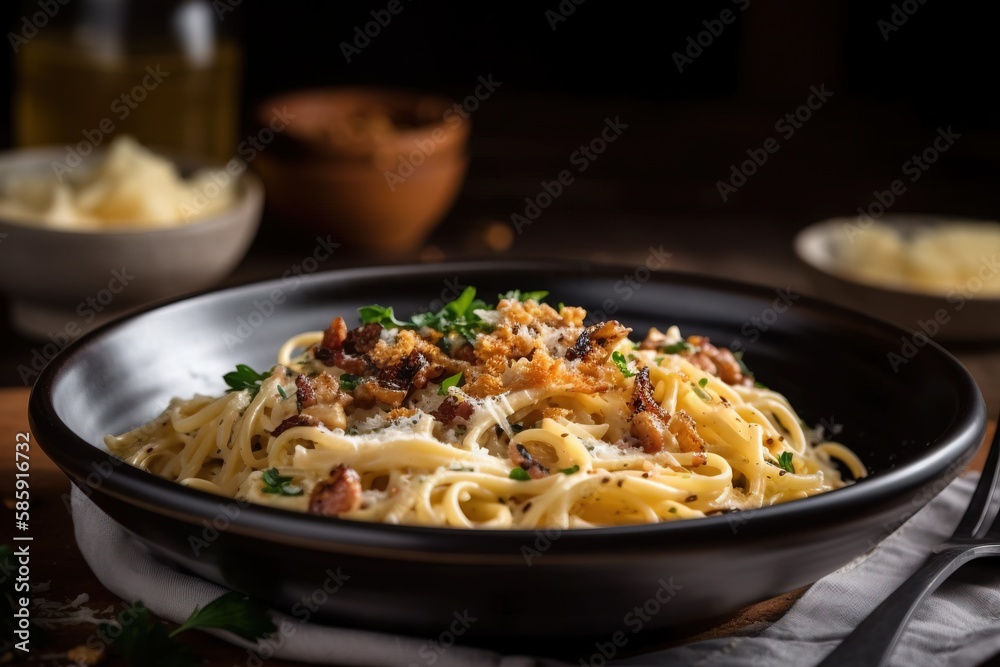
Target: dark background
(658, 184)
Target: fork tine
(973, 523)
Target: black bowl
(915, 424)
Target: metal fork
(873, 640)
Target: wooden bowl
(377, 167)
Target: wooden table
(55, 558)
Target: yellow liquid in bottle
(66, 95)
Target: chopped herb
(621, 363)
(141, 640)
(448, 383)
(281, 392)
(785, 462)
(375, 314)
(348, 382)
(456, 316)
(244, 377)
(518, 295)
(561, 306)
(520, 474)
(738, 355)
(659, 360)
(703, 382)
(462, 469)
(571, 470)
(233, 612)
(702, 394)
(279, 484)
(760, 385)
(673, 510)
(676, 348)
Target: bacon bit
(452, 409)
(335, 334)
(331, 416)
(370, 392)
(649, 421)
(654, 340)
(331, 350)
(648, 428)
(293, 421)
(363, 339)
(642, 395)
(520, 456)
(699, 459)
(595, 343)
(466, 353)
(339, 493)
(683, 427)
(305, 395)
(718, 361)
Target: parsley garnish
(785, 462)
(456, 316)
(348, 382)
(275, 483)
(570, 471)
(672, 510)
(702, 394)
(141, 640)
(281, 392)
(518, 295)
(621, 363)
(738, 355)
(376, 314)
(520, 474)
(676, 348)
(448, 383)
(703, 382)
(244, 377)
(760, 385)
(659, 360)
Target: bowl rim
(250, 197)
(77, 457)
(807, 241)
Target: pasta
(508, 416)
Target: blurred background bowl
(952, 315)
(377, 167)
(57, 278)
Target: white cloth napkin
(960, 625)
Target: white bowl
(951, 316)
(62, 283)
